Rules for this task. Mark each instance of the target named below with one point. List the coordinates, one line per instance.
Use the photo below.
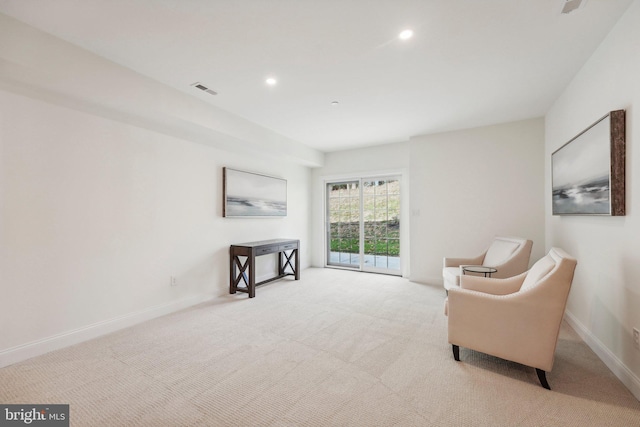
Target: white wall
(111, 183)
(468, 186)
(604, 303)
(96, 216)
(388, 159)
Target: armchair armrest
(457, 262)
(492, 286)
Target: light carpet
(336, 348)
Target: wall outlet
(636, 338)
(174, 281)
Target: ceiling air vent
(569, 6)
(202, 87)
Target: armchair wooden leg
(542, 376)
(456, 352)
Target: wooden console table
(238, 269)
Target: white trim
(357, 175)
(66, 339)
(619, 369)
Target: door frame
(405, 225)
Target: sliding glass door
(363, 224)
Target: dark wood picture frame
(252, 195)
(588, 172)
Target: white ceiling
(470, 63)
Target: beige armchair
(518, 318)
(509, 255)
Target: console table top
(264, 242)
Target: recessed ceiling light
(405, 35)
(271, 81)
(335, 103)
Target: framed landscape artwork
(588, 172)
(248, 194)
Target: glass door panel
(381, 213)
(363, 224)
(343, 226)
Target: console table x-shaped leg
(244, 271)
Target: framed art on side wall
(588, 172)
(248, 194)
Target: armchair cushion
(500, 251)
(539, 270)
(451, 275)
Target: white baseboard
(66, 339)
(619, 369)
